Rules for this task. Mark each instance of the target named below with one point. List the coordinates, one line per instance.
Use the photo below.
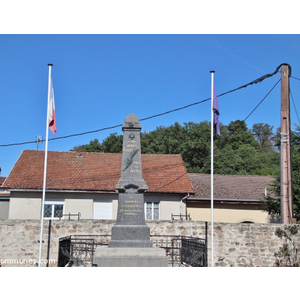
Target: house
(4, 200)
(83, 185)
(236, 198)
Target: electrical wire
(175, 165)
(262, 100)
(260, 79)
(295, 107)
(226, 137)
(295, 78)
(63, 137)
(236, 130)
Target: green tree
(263, 134)
(112, 144)
(272, 202)
(93, 146)
(236, 151)
(295, 149)
(164, 140)
(196, 146)
(239, 134)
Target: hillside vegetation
(238, 151)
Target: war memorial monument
(130, 244)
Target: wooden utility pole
(285, 160)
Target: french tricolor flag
(51, 110)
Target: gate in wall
(78, 250)
(64, 248)
(193, 252)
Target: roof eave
(63, 191)
(236, 201)
(93, 191)
(169, 192)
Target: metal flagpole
(45, 169)
(212, 169)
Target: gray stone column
(130, 229)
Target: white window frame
(53, 203)
(152, 209)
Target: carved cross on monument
(130, 229)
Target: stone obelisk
(130, 229)
(130, 244)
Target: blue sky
(100, 79)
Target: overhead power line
(295, 78)
(260, 79)
(226, 138)
(295, 107)
(262, 100)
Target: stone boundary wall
(235, 245)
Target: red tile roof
(3, 193)
(2, 179)
(239, 187)
(90, 171)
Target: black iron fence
(69, 215)
(181, 217)
(181, 250)
(79, 249)
(193, 252)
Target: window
(152, 210)
(102, 210)
(53, 209)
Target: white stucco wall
(228, 213)
(27, 205)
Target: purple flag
(216, 112)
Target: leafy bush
(287, 256)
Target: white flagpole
(45, 169)
(212, 170)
